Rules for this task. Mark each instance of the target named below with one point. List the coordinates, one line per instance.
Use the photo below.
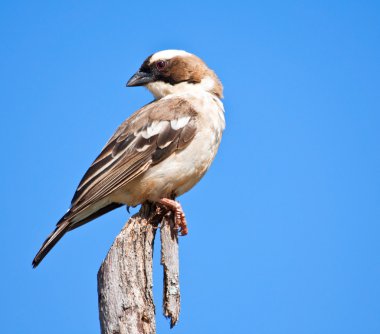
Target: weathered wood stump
(125, 278)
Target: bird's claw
(180, 224)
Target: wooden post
(125, 278)
(170, 262)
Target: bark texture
(170, 262)
(125, 278)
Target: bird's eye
(161, 64)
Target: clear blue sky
(284, 229)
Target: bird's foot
(129, 208)
(179, 215)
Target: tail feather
(66, 224)
(62, 227)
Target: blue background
(284, 229)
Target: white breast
(181, 171)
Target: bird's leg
(179, 215)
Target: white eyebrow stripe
(179, 123)
(167, 54)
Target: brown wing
(146, 138)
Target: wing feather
(149, 136)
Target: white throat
(161, 89)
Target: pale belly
(181, 171)
(175, 175)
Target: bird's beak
(140, 78)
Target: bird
(160, 152)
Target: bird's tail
(67, 223)
(62, 227)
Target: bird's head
(175, 72)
